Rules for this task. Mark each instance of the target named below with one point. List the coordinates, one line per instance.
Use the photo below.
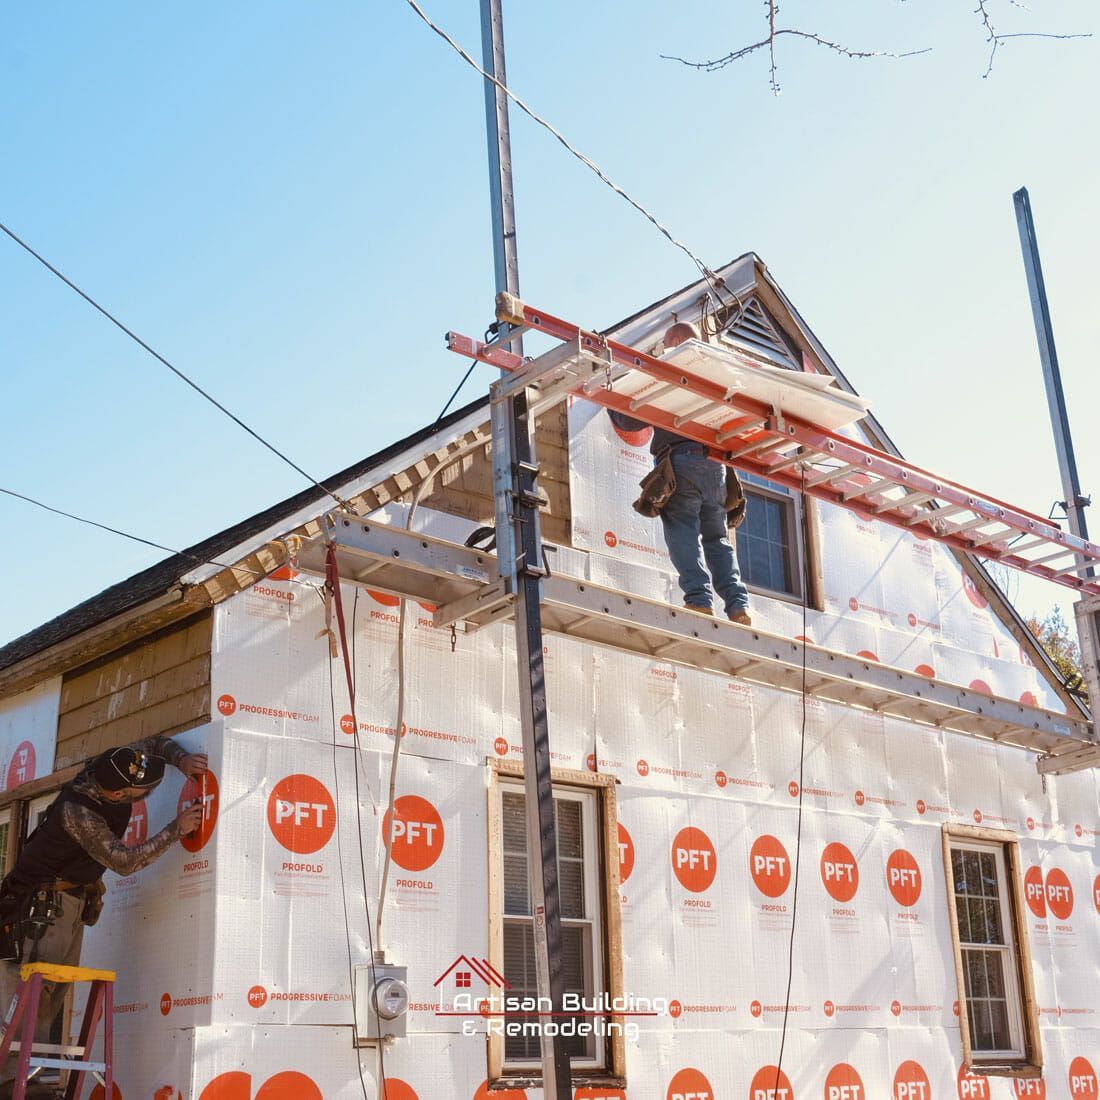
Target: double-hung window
(588, 890)
(770, 549)
(996, 994)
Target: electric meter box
(381, 1002)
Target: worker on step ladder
(55, 887)
(698, 501)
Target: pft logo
(972, 593)
(839, 872)
(1030, 1088)
(1035, 892)
(903, 877)
(1096, 893)
(844, 1083)
(1082, 1080)
(202, 791)
(301, 814)
(689, 1084)
(971, 1086)
(417, 834)
(626, 854)
(694, 861)
(635, 439)
(770, 1083)
(137, 831)
(911, 1082)
(22, 766)
(770, 866)
(1059, 894)
(237, 1085)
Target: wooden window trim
(608, 818)
(1031, 1065)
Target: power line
(706, 272)
(125, 534)
(161, 359)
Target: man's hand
(190, 819)
(193, 765)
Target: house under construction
(885, 764)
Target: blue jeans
(694, 520)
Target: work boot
(742, 617)
(699, 610)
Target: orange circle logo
(689, 1084)
(1082, 1080)
(257, 996)
(843, 1083)
(1030, 1088)
(770, 1083)
(756, 1010)
(903, 877)
(611, 539)
(982, 686)
(1030, 824)
(972, 593)
(839, 872)
(635, 439)
(860, 798)
(384, 598)
(347, 724)
(500, 747)
(911, 1082)
(137, 831)
(626, 854)
(1029, 700)
(694, 861)
(227, 705)
(396, 1089)
(721, 779)
(417, 840)
(770, 866)
(24, 761)
(675, 1009)
(792, 789)
(202, 791)
(643, 768)
(1096, 893)
(977, 817)
(1035, 892)
(922, 808)
(925, 670)
(237, 1085)
(165, 1004)
(867, 655)
(301, 814)
(853, 603)
(829, 1009)
(971, 1086)
(895, 1008)
(590, 762)
(1059, 894)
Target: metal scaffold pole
(1088, 610)
(519, 557)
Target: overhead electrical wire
(126, 534)
(587, 161)
(174, 369)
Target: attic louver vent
(754, 331)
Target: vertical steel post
(1088, 622)
(519, 559)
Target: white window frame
(1015, 953)
(796, 553)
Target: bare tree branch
(714, 64)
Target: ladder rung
(791, 460)
(1051, 557)
(909, 501)
(765, 441)
(983, 540)
(970, 524)
(740, 427)
(833, 475)
(694, 411)
(865, 490)
(947, 512)
(62, 1063)
(653, 395)
(1020, 547)
(1074, 569)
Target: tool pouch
(657, 487)
(93, 903)
(736, 504)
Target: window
(769, 543)
(584, 805)
(996, 996)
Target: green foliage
(1060, 642)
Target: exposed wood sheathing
(159, 685)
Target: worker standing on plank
(55, 887)
(705, 500)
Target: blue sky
(290, 202)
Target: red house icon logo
(465, 969)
